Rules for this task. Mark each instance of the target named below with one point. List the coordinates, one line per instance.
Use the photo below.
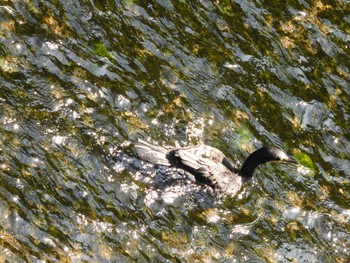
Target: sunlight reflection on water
(81, 81)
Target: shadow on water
(80, 80)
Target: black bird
(209, 165)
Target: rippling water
(80, 80)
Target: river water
(80, 80)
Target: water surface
(80, 80)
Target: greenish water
(80, 80)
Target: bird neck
(254, 160)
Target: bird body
(209, 165)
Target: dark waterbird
(209, 165)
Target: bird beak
(290, 160)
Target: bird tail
(152, 153)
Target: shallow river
(80, 81)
